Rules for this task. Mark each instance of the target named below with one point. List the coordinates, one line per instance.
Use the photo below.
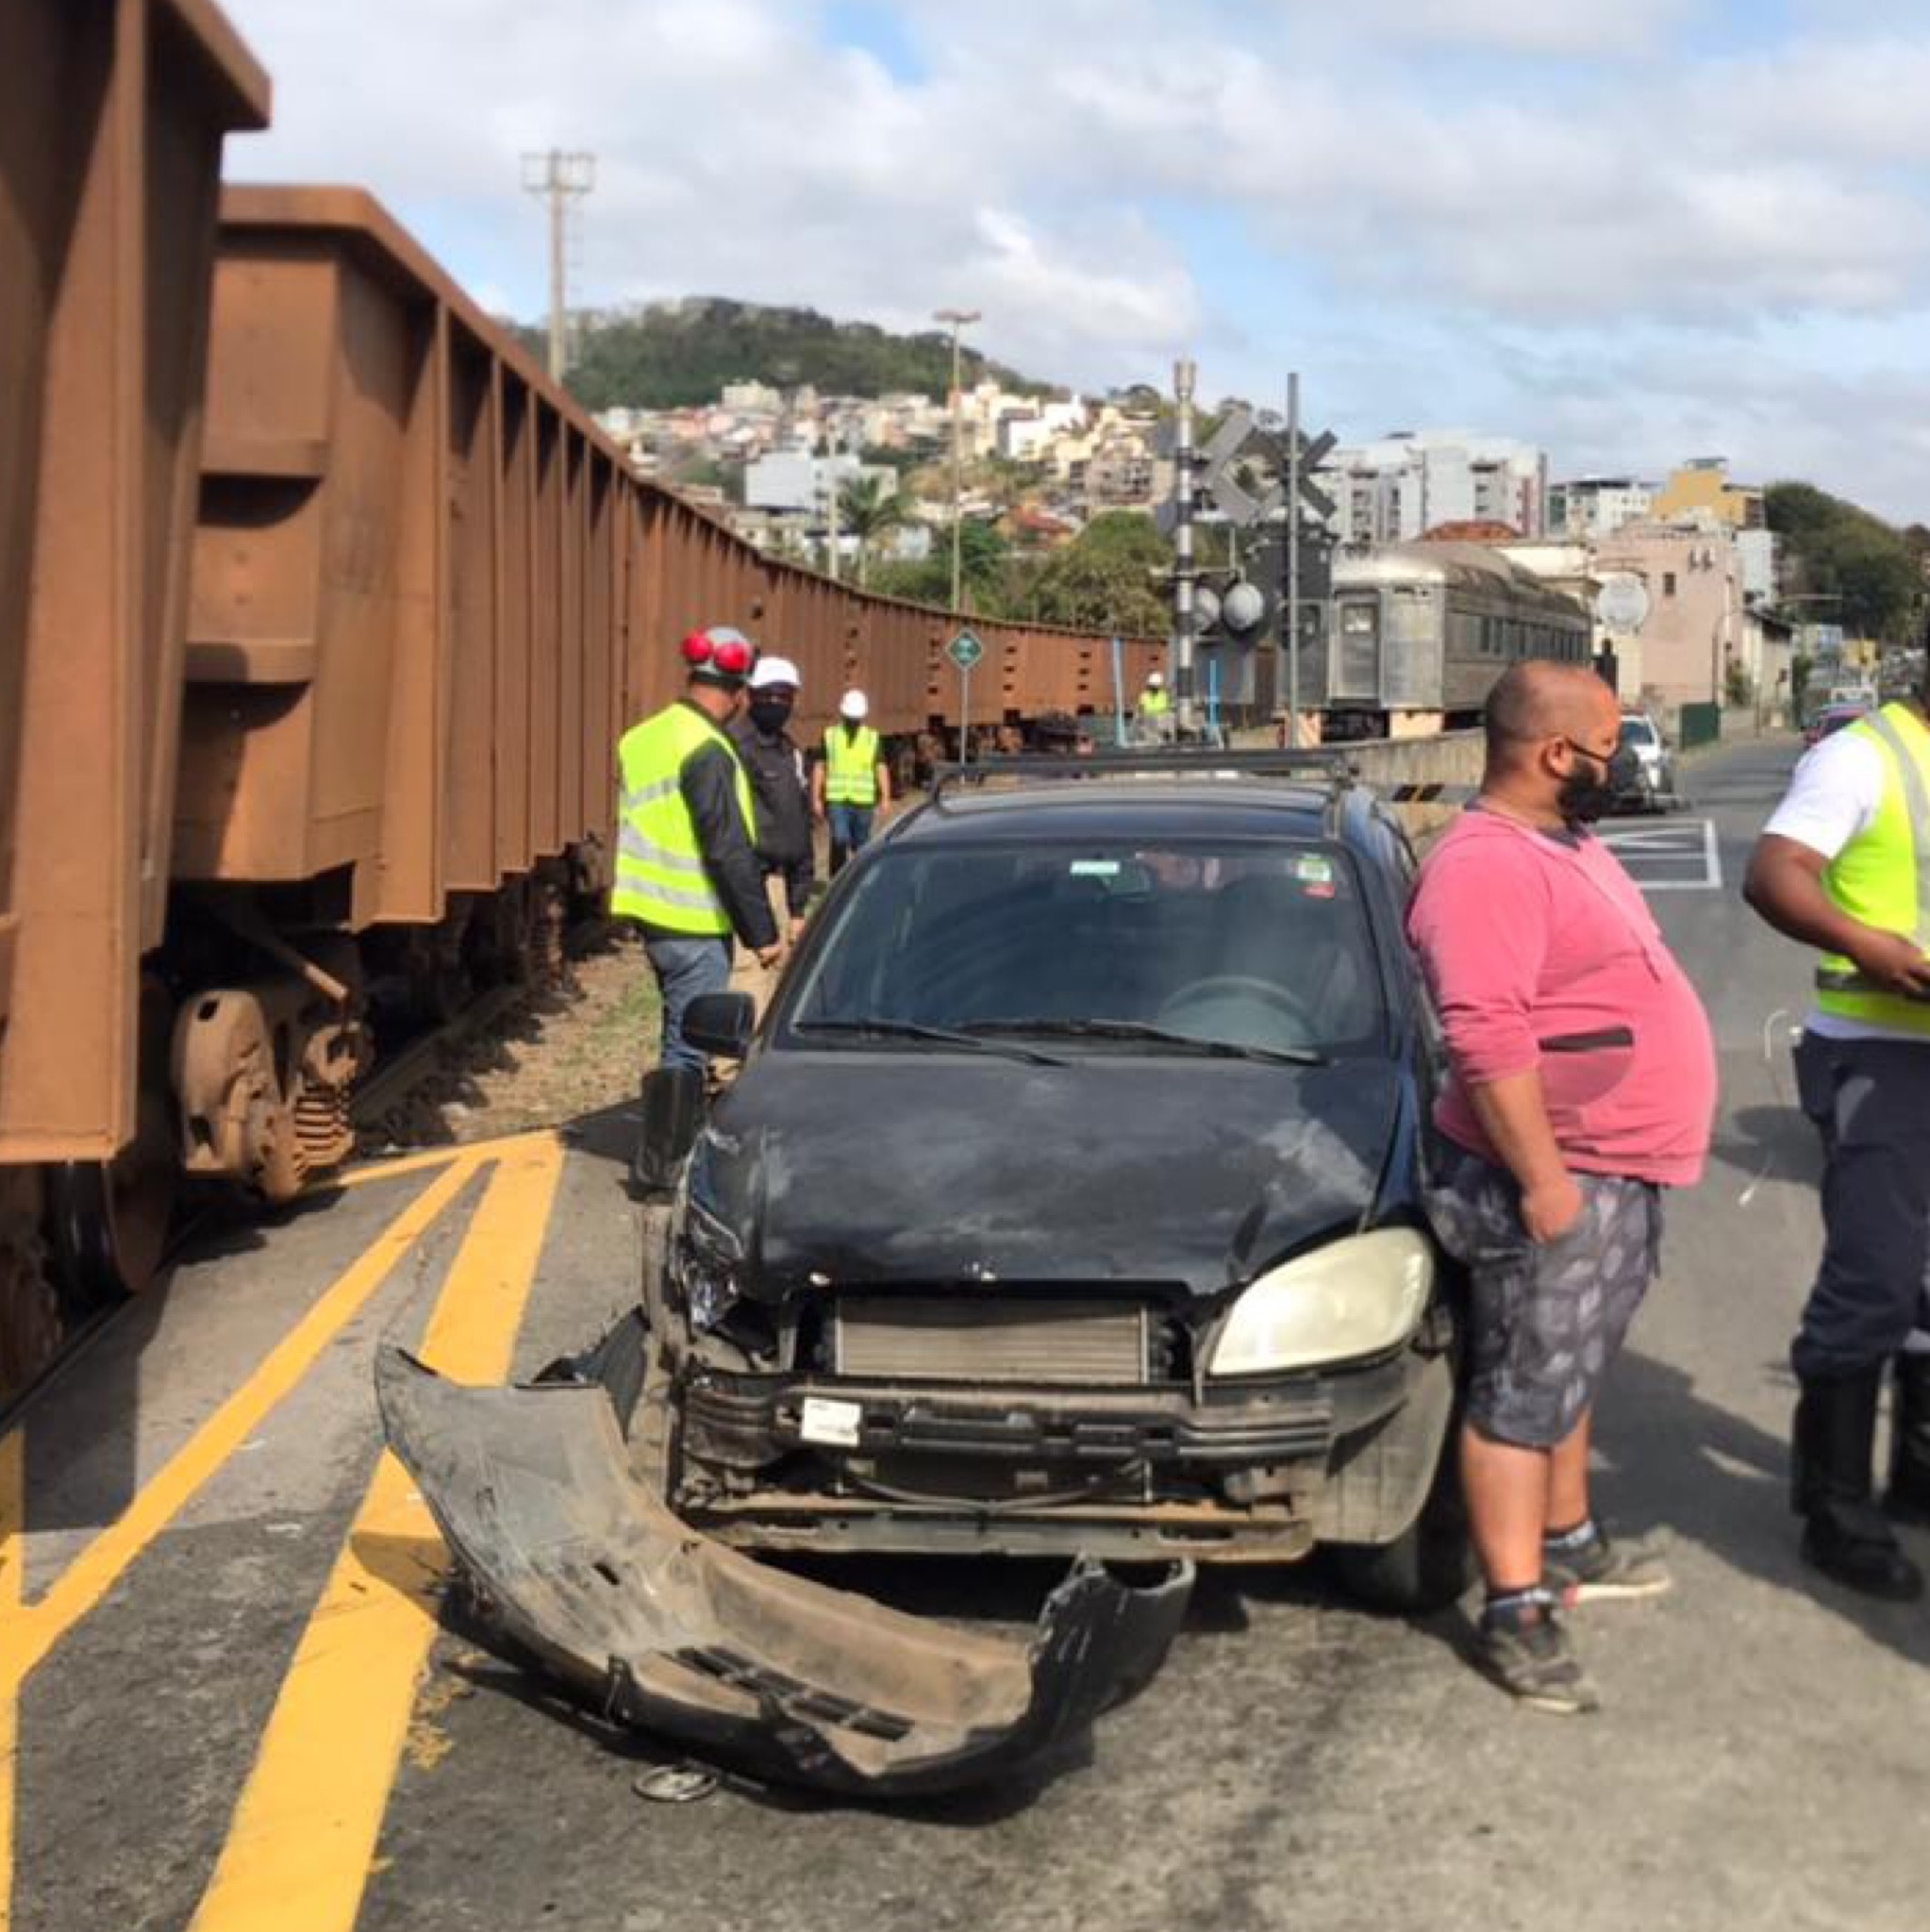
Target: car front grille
(970, 1337)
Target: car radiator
(972, 1337)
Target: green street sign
(965, 650)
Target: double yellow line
(298, 1851)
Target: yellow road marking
(29, 1631)
(98, 1567)
(346, 1178)
(12, 1591)
(303, 1841)
(370, 1171)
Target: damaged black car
(1069, 1200)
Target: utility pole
(1184, 375)
(559, 179)
(1292, 601)
(831, 494)
(957, 319)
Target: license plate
(833, 1423)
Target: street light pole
(957, 319)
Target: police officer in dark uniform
(781, 798)
(1843, 865)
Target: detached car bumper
(650, 1624)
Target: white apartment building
(1587, 507)
(1397, 487)
(801, 481)
(751, 398)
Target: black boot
(1844, 1534)
(673, 1112)
(1908, 1496)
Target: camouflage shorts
(1545, 1319)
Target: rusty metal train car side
(421, 601)
(112, 116)
(697, 571)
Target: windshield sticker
(1095, 868)
(1313, 870)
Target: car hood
(886, 1167)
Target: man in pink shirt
(1583, 1082)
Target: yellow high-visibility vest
(1155, 704)
(851, 765)
(662, 877)
(1882, 877)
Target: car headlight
(1355, 1297)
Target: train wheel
(110, 1219)
(30, 1318)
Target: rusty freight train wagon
(344, 732)
(112, 116)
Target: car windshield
(1098, 948)
(1638, 731)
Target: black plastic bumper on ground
(649, 1622)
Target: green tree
(1107, 578)
(986, 573)
(1836, 549)
(676, 353)
(867, 510)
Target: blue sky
(1634, 231)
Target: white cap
(1152, 677)
(854, 705)
(771, 670)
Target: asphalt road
(1760, 1760)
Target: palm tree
(867, 511)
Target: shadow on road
(1724, 1484)
(1774, 1141)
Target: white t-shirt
(1834, 796)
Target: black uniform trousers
(1869, 1100)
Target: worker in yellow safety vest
(1844, 865)
(1155, 714)
(688, 875)
(851, 782)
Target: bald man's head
(1538, 699)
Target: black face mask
(1583, 799)
(771, 715)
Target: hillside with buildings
(665, 354)
(1703, 588)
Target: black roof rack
(1320, 764)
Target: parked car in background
(1833, 718)
(1654, 786)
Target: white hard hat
(771, 670)
(1154, 678)
(854, 705)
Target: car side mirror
(721, 1023)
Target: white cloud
(1397, 174)
(1623, 28)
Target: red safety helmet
(720, 654)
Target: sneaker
(1602, 1571)
(1531, 1657)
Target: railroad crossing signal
(1241, 442)
(965, 650)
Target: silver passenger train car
(1417, 633)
